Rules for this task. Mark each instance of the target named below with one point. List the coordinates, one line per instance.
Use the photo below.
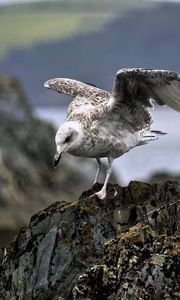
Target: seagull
(103, 124)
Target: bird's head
(69, 138)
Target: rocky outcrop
(124, 247)
(27, 179)
(137, 265)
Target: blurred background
(87, 40)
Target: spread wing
(134, 90)
(86, 96)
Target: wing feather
(73, 87)
(169, 94)
(87, 98)
(136, 88)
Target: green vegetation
(23, 25)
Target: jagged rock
(137, 265)
(124, 247)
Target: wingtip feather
(46, 84)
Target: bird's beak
(56, 159)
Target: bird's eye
(67, 139)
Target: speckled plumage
(113, 123)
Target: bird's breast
(103, 142)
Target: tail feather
(149, 136)
(158, 132)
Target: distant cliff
(124, 247)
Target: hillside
(26, 24)
(146, 38)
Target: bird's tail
(149, 136)
(158, 132)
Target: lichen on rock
(87, 250)
(137, 265)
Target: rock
(28, 181)
(163, 176)
(124, 247)
(137, 265)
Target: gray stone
(74, 251)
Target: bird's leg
(98, 170)
(102, 193)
